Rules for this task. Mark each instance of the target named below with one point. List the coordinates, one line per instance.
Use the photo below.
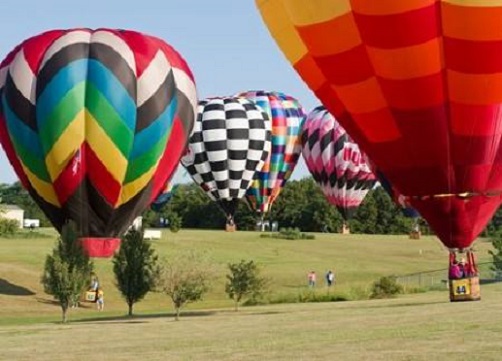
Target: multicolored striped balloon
(335, 162)
(287, 117)
(94, 123)
(418, 86)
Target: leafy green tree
(496, 253)
(244, 281)
(67, 271)
(175, 221)
(16, 194)
(135, 267)
(185, 278)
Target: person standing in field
(330, 278)
(100, 301)
(312, 278)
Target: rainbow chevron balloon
(94, 123)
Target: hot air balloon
(417, 84)
(164, 197)
(287, 116)
(229, 144)
(94, 123)
(336, 163)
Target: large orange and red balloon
(94, 123)
(418, 86)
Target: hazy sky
(224, 42)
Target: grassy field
(422, 326)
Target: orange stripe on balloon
(409, 62)
(310, 72)
(472, 23)
(362, 97)
(385, 7)
(344, 35)
(416, 93)
(475, 89)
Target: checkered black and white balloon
(229, 144)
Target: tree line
(301, 204)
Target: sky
(225, 43)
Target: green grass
(421, 326)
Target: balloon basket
(90, 296)
(415, 235)
(100, 247)
(230, 228)
(345, 229)
(465, 289)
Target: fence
(438, 278)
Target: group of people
(459, 269)
(329, 278)
(100, 301)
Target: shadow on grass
(487, 281)
(143, 318)
(10, 289)
(404, 304)
(52, 302)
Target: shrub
(386, 287)
(175, 222)
(8, 227)
(307, 297)
(288, 233)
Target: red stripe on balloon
(101, 178)
(416, 93)
(399, 30)
(175, 58)
(475, 57)
(169, 160)
(352, 66)
(71, 177)
(475, 120)
(34, 48)
(143, 48)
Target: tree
(497, 252)
(174, 221)
(135, 267)
(244, 280)
(67, 270)
(185, 278)
(16, 194)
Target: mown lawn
(423, 326)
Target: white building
(10, 211)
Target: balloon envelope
(417, 84)
(94, 123)
(287, 116)
(164, 197)
(335, 162)
(229, 144)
